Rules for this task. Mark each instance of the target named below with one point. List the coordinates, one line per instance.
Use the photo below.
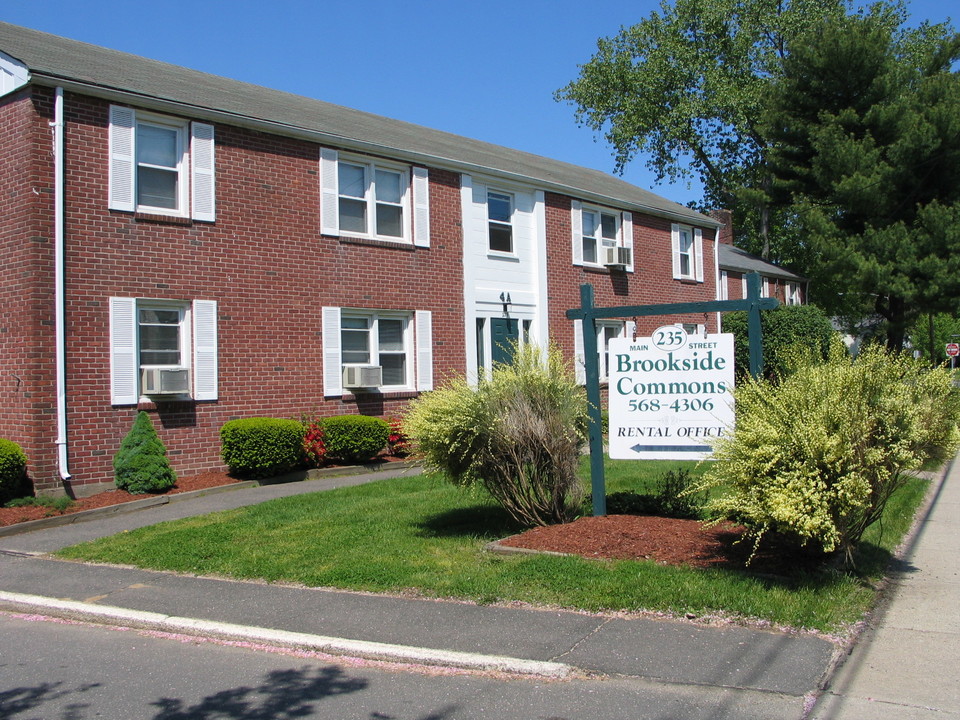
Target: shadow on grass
(482, 521)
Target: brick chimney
(726, 217)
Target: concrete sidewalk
(907, 664)
(784, 669)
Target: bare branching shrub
(518, 435)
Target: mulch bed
(669, 541)
(11, 516)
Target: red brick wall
(27, 411)
(651, 282)
(269, 268)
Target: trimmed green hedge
(13, 470)
(262, 447)
(354, 438)
(782, 328)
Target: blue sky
(484, 70)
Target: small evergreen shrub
(354, 438)
(517, 435)
(783, 329)
(814, 459)
(13, 470)
(141, 465)
(261, 447)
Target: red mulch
(664, 540)
(10, 516)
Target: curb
(385, 652)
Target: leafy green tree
(865, 120)
(930, 334)
(686, 87)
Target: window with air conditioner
(379, 350)
(162, 350)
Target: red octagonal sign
(953, 349)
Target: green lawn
(424, 534)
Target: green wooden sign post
(589, 314)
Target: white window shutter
(329, 194)
(124, 362)
(576, 223)
(203, 172)
(627, 227)
(205, 357)
(332, 364)
(698, 254)
(123, 123)
(421, 207)
(424, 327)
(675, 243)
(579, 368)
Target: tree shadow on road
(21, 699)
(283, 694)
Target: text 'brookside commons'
(671, 394)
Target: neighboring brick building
(735, 263)
(207, 250)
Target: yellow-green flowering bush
(815, 457)
(518, 435)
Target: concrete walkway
(907, 665)
(779, 673)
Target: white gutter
(59, 284)
(365, 146)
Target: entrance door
(505, 334)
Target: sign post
(589, 314)
(953, 349)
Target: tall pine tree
(865, 126)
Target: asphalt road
(70, 671)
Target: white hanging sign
(670, 394)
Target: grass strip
(423, 534)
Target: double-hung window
(600, 230)
(377, 339)
(399, 343)
(793, 293)
(161, 165)
(374, 199)
(687, 245)
(162, 348)
(500, 221)
(606, 331)
(601, 237)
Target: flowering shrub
(314, 444)
(398, 442)
(815, 458)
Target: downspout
(59, 284)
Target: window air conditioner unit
(362, 376)
(617, 256)
(164, 381)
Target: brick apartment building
(207, 250)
